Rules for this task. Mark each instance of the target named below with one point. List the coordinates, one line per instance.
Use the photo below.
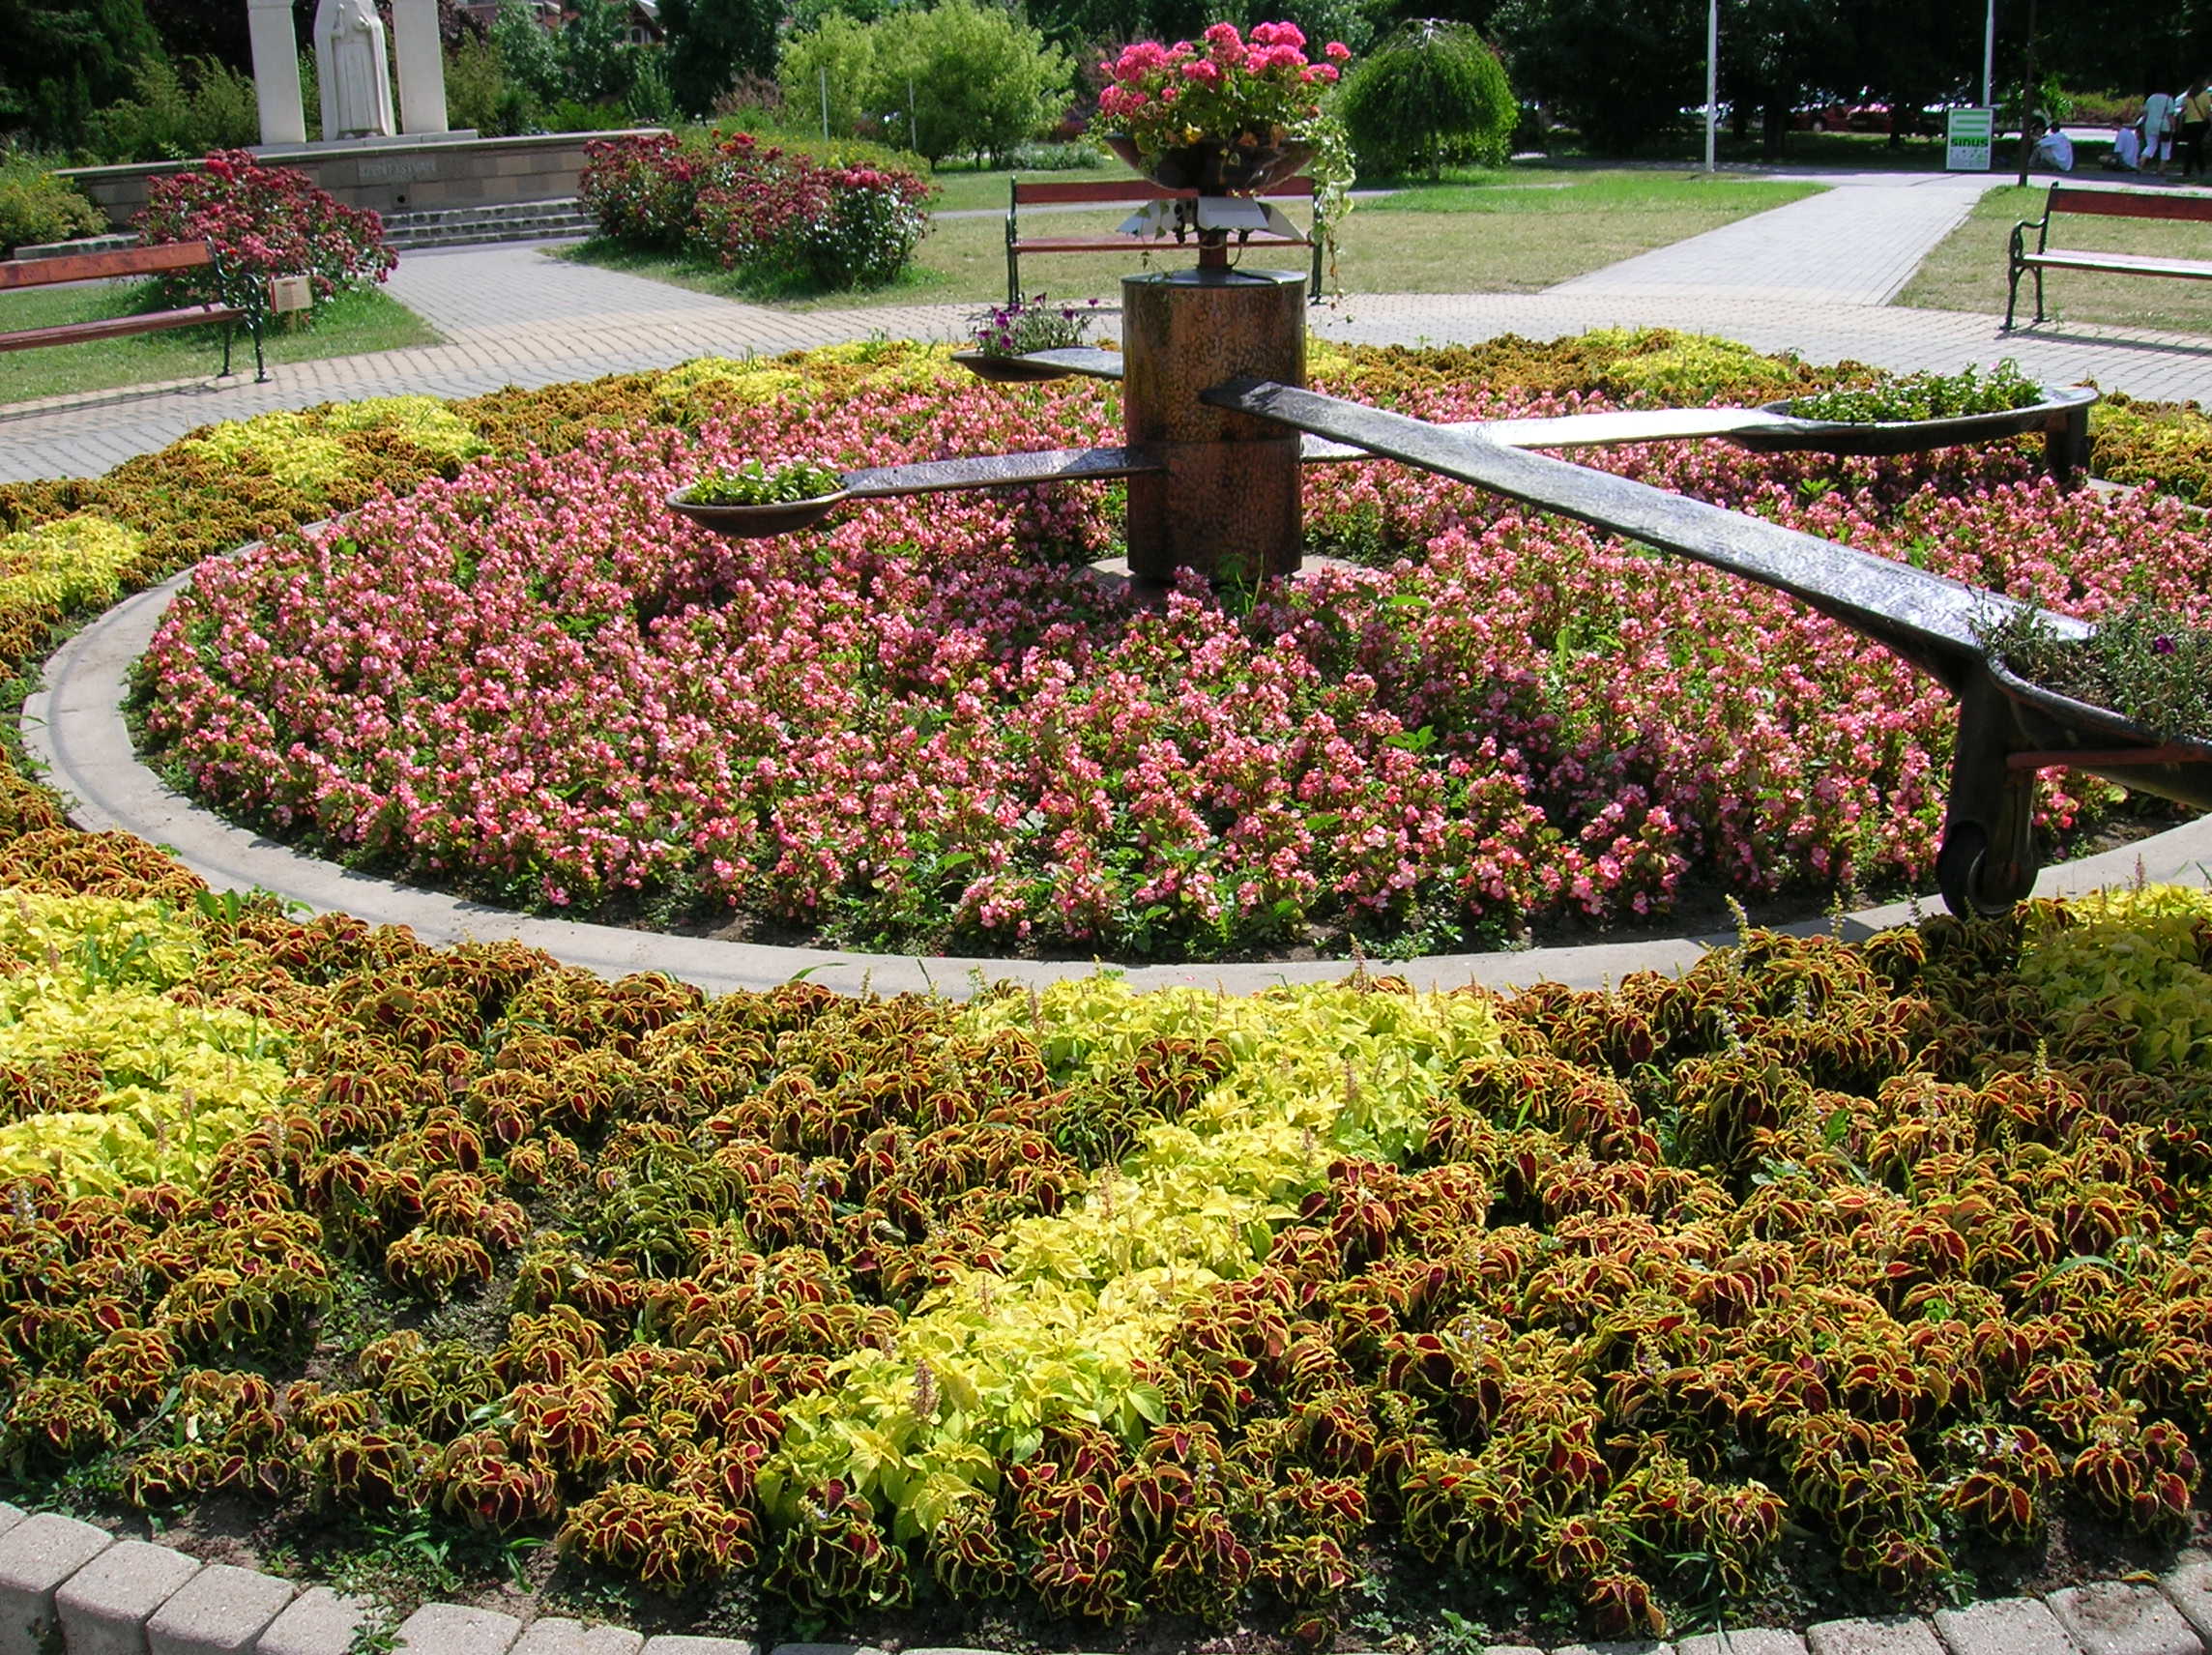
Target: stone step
(457, 226)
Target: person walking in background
(2196, 121)
(2158, 130)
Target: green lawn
(1512, 231)
(350, 325)
(1967, 272)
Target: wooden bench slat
(2121, 264)
(19, 274)
(115, 328)
(2130, 204)
(1140, 243)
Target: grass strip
(353, 324)
(1967, 271)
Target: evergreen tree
(66, 58)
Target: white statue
(355, 75)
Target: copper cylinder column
(1228, 502)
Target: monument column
(277, 70)
(421, 66)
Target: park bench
(157, 260)
(2104, 203)
(1134, 191)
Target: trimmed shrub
(35, 206)
(180, 111)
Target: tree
(976, 78)
(829, 69)
(598, 60)
(65, 59)
(1774, 52)
(1432, 94)
(528, 59)
(1619, 73)
(711, 42)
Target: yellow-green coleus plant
(308, 450)
(125, 1085)
(1084, 1296)
(66, 563)
(2138, 959)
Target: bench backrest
(92, 267)
(2128, 203)
(1063, 193)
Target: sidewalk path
(1857, 242)
(1812, 277)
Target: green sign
(1969, 134)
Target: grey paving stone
(2003, 1626)
(316, 1622)
(449, 1629)
(1885, 1634)
(2113, 1617)
(36, 1556)
(684, 1644)
(221, 1611)
(2189, 1586)
(813, 1649)
(105, 1606)
(10, 1516)
(1512, 1650)
(556, 1636)
(1639, 1646)
(1746, 1640)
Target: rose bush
(772, 212)
(929, 727)
(264, 221)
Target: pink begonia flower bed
(926, 725)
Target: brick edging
(131, 1597)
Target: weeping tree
(1431, 95)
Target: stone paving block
(1882, 1635)
(1637, 1647)
(1747, 1641)
(449, 1629)
(2189, 1586)
(316, 1622)
(686, 1644)
(557, 1636)
(10, 1516)
(826, 1649)
(104, 1608)
(2003, 1626)
(221, 1611)
(36, 1556)
(1512, 1650)
(2113, 1617)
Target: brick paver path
(1814, 276)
